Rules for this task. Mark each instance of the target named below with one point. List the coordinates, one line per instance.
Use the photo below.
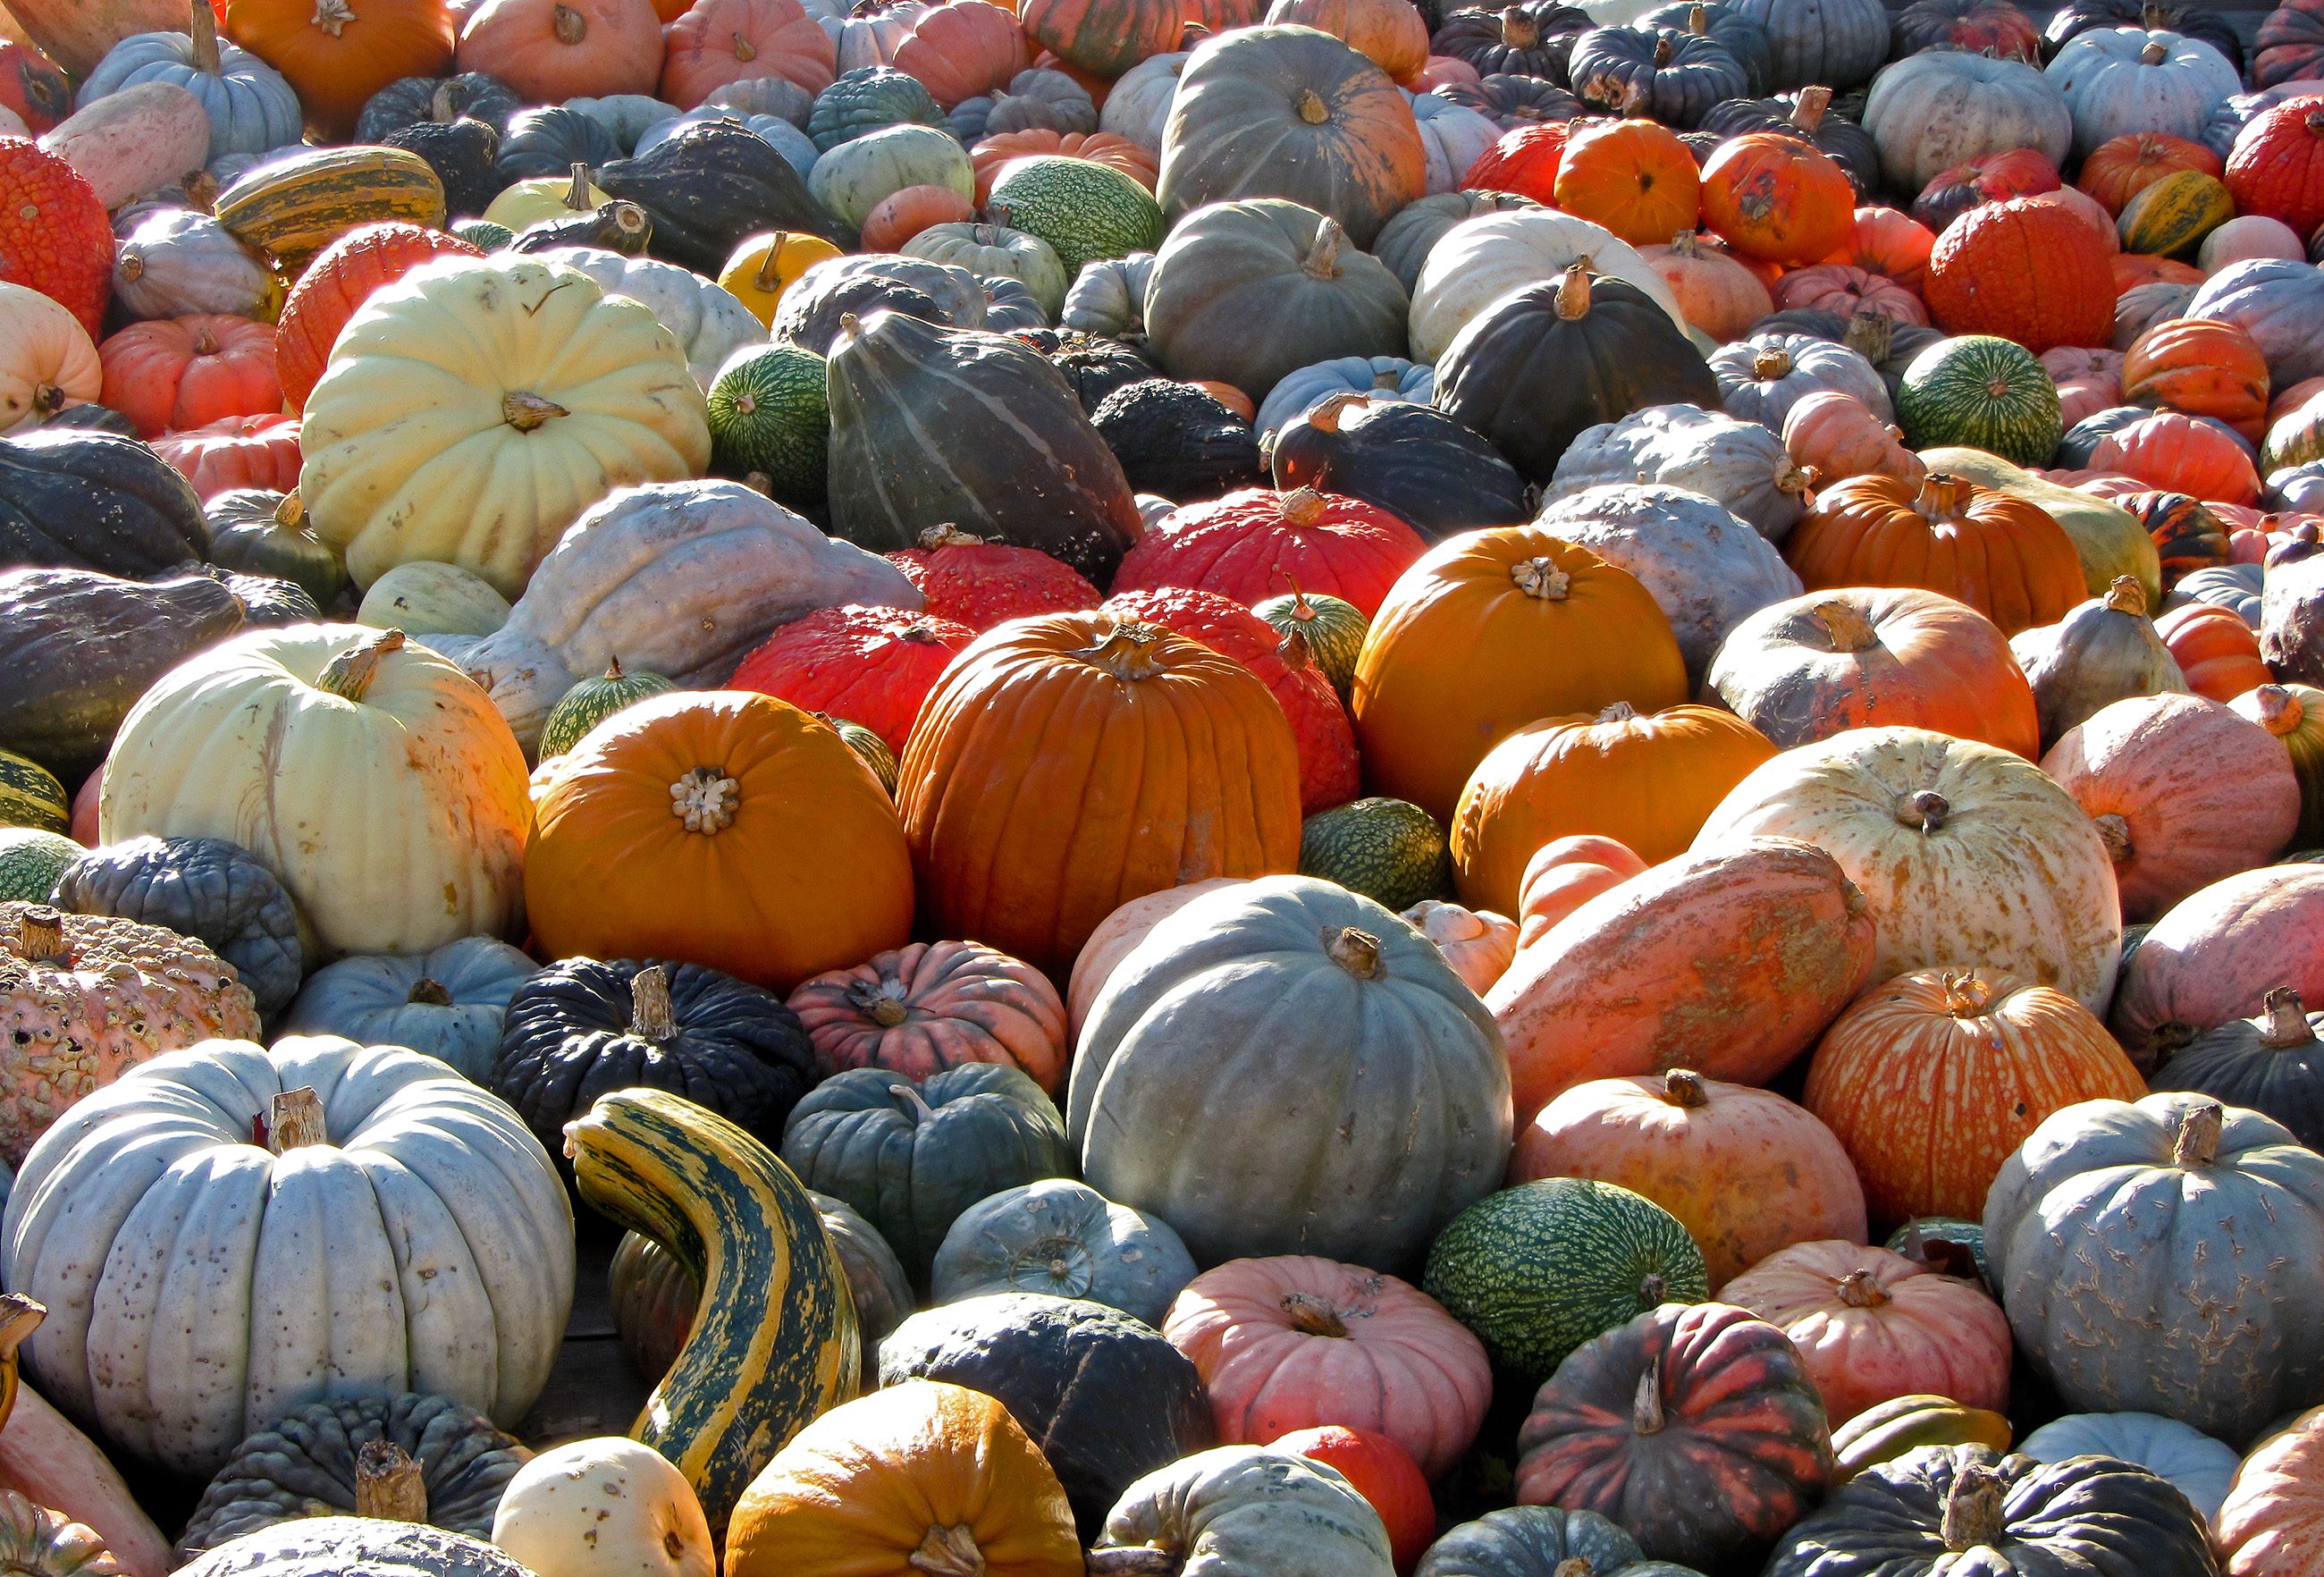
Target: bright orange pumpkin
(173, 374)
(1778, 197)
(1634, 177)
(1490, 630)
(2026, 271)
(1648, 782)
(2118, 168)
(2201, 368)
(2179, 454)
(1389, 33)
(1565, 874)
(337, 53)
(1524, 161)
(2217, 652)
(339, 280)
(905, 212)
(719, 41)
(1887, 240)
(549, 50)
(719, 827)
(963, 49)
(1141, 164)
(1716, 292)
(1159, 763)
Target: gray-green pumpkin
(209, 888)
(448, 1003)
(997, 251)
(1066, 1240)
(593, 700)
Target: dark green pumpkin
(2271, 1064)
(1104, 1396)
(81, 499)
(768, 416)
(205, 888)
(1535, 38)
(912, 1158)
(1509, 100)
(619, 225)
(268, 602)
(461, 154)
(409, 100)
(545, 142)
(1541, 1541)
(1744, 38)
(823, 298)
(710, 186)
(1096, 366)
(1980, 390)
(256, 532)
(866, 99)
(1674, 76)
(934, 427)
(1541, 365)
(1414, 461)
(92, 418)
(1178, 441)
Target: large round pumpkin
(2027, 270)
(1160, 762)
(720, 827)
(337, 53)
(1260, 542)
(1492, 629)
(870, 664)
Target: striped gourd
(593, 700)
(297, 205)
(1985, 392)
(1333, 629)
(775, 1341)
(2170, 217)
(869, 746)
(30, 796)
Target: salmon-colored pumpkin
(2025, 271)
(549, 50)
(2118, 168)
(1160, 762)
(1935, 1078)
(2217, 652)
(1118, 934)
(1141, 164)
(2089, 381)
(1744, 1171)
(339, 280)
(922, 1008)
(1872, 1325)
(719, 41)
(172, 373)
(2180, 454)
(337, 53)
(905, 212)
(1837, 435)
(1778, 197)
(2199, 368)
(1716, 293)
(1564, 874)
(1762, 938)
(1648, 782)
(1888, 242)
(872, 666)
(237, 451)
(1476, 943)
(963, 49)
(1494, 629)
(1387, 33)
(2272, 1522)
(1634, 177)
(1524, 161)
(2131, 270)
(1444, 71)
(788, 860)
(1847, 290)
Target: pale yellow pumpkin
(374, 779)
(47, 362)
(471, 411)
(544, 197)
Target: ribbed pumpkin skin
(2202, 368)
(867, 1486)
(1584, 635)
(1743, 1170)
(2217, 954)
(775, 1341)
(1999, 554)
(872, 666)
(1256, 543)
(2185, 789)
(1106, 37)
(1932, 1080)
(1764, 937)
(1648, 782)
(2273, 1519)
(2277, 167)
(2118, 168)
(2216, 652)
(2025, 271)
(959, 1002)
(1742, 1450)
(1186, 771)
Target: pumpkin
(872, 665)
(2119, 79)
(554, 50)
(982, 584)
(51, 363)
(1536, 1541)
(2023, 270)
(1485, 256)
(1634, 177)
(763, 267)
(1478, 944)
(2216, 652)
(1716, 293)
(508, 1255)
(203, 889)
(2181, 454)
(175, 261)
(2201, 368)
(554, 1517)
(1566, 874)
(1410, 461)
(1671, 74)
(1697, 1429)
(2269, 1518)
(1992, 178)
(2274, 170)
(235, 451)
(2215, 956)
(2107, 538)
(1253, 543)
(1392, 36)
(186, 372)
(1777, 200)
(54, 1464)
(341, 1542)
(1943, 108)
(2201, 1467)
(1761, 378)
(1738, 465)
(1535, 40)
(2089, 381)
(1240, 1511)
(961, 50)
(57, 242)
(340, 279)
(1288, 112)
(2270, 298)
(1062, 1239)
(448, 1003)
(720, 41)
(2189, 1174)
(856, 177)
(924, 1008)
(2102, 651)
(2239, 240)
(1746, 1172)
(1846, 289)
(337, 56)
(1888, 243)
(1839, 436)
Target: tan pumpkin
(1838, 436)
(47, 361)
(1120, 931)
(1476, 943)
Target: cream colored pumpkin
(607, 1507)
(374, 779)
(423, 599)
(471, 411)
(1968, 854)
(46, 360)
(1489, 256)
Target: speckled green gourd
(1389, 849)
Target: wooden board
(595, 1388)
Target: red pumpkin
(2133, 268)
(872, 666)
(339, 280)
(1634, 177)
(2180, 454)
(1847, 290)
(1293, 1342)
(905, 212)
(54, 237)
(241, 451)
(2025, 271)
(1872, 1325)
(2214, 647)
(31, 86)
(1327, 745)
(1524, 161)
(1989, 178)
(554, 50)
(1890, 243)
(2277, 166)
(2118, 168)
(1566, 874)
(964, 49)
(1256, 543)
(173, 374)
(1778, 197)
(964, 578)
(719, 41)
(932, 1006)
(1383, 1473)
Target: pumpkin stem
(2153, 54)
(1296, 653)
(2279, 711)
(1325, 417)
(1925, 808)
(1662, 56)
(881, 1000)
(348, 675)
(1357, 952)
(652, 1015)
(1136, 1561)
(1844, 626)
(576, 188)
(1312, 107)
(389, 1484)
(949, 1551)
(1687, 243)
(1972, 1518)
(297, 1120)
(525, 411)
(1942, 496)
(1870, 336)
(1618, 712)
(2197, 1144)
(1769, 364)
(292, 513)
(20, 1317)
(48, 398)
(612, 668)
(1301, 507)
(704, 800)
(628, 219)
(2124, 595)
(332, 16)
(1966, 995)
(1573, 292)
(1126, 652)
(130, 263)
(744, 48)
(1577, 1566)
(1323, 258)
(766, 278)
(1683, 1087)
(2287, 1020)
(2115, 832)
(916, 1105)
(1540, 577)
(204, 34)
(1518, 30)
(40, 935)
(948, 535)
(439, 103)
(1698, 20)
(1860, 1290)
(1796, 479)
(1312, 1315)
(1647, 1408)
(569, 24)
(205, 343)
(1808, 112)
(429, 993)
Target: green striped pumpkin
(867, 745)
(1389, 849)
(1538, 1269)
(2170, 217)
(1087, 212)
(592, 701)
(770, 417)
(1980, 392)
(1334, 628)
(294, 208)
(31, 796)
(31, 861)
(775, 1341)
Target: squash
(448, 1003)
(1943, 108)
(1886, 1432)
(856, 177)
(506, 1257)
(1761, 378)
(1565, 874)
(1837, 435)
(1062, 1239)
(2188, 1173)
(2104, 651)
(296, 205)
(554, 1519)
(409, 100)
(1478, 944)
(175, 261)
(707, 321)
(80, 500)
(2269, 1514)
(2216, 652)
(353, 1543)
(134, 140)
(2267, 1063)
(340, 279)
(2107, 538)
(2129, 79)
(200, 888)
(2271, 300)
(759, 1364)
(1245, 1511)
(53, 1465)
(1537, 1541)
(1618, 987)
(56, 236)
(1733, 464)
(1408, 460)
(2201, 1467)
(2214, 957)
(432, 599)
(761, 267)
(51, 363)
(711, 186)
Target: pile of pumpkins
(1463, 792)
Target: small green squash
(254, 531)
(1086, 211)
(1983, 391)
(2170, 217)
(31, 796)
(862, 173)
(864, 100)
(770, 417)
(1389, 849)
(422, 598)
(31, 861)
(1333, 630)
(593, 700)
(998, 251)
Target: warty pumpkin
(871, 665)
(927, 1007)
(2025, 271)
(1256, 543)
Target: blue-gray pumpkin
(205, 888)
(1539, 1541)
(448, 1003)
(1066, 1239)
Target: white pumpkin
(424, 599)
(1137, 106)
(400, 1232)
(1480, 260)
(1739, 465)
(370, 775)
(47, 362)
(604, 1507)
(1967, 854)
(1453, 136)
(709, 321)
(472, 409)
(1930, 112)
(2119, 79)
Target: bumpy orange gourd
(1634, 177)
(2026, 271)
(337, 53)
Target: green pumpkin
(1390, 850)
(862, 173)
(424, 598)
(770, 417)
(484, 235)
(868, 746)
(865, 99)
(81, 499)
(592, 701)
(31, 861)
(257, 531)
(913, 1158)
(1539, 1270)
(993, 252)
(1541, 1541)
(1333, 630)
(31, 796)
(714, 183)
(1985, 392)
(1087, 212)
(2170, 216)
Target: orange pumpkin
(1744, 1171)
(549, 50)
(2179, 454)
(720, 827)
(2026, 271)
(1999, 554)
(1487, 632)
(339, 280)
(1838, 436)
(1887, 240)
(2131, 270)
(2272, 1522)
(916, 1478)
(1778, 197)
(1103, 37)
(1648, 782)
(1387, 33)
(2201, 368)
(2217, 652)
(1636, 178)
(1716, 293)
(1524, 161)
(172, 373)
(905, 212)
(2118, 168)
(2086, 208)
(963, 49)
(337, 53)
(1566, 874)
(1934, 1079)
(1141, 164)
(1158, 762)
(719, 41)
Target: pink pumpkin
(2217, 954)
(2089, 381)
(1476, 943)
(1566, 874)
(1117, 935)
